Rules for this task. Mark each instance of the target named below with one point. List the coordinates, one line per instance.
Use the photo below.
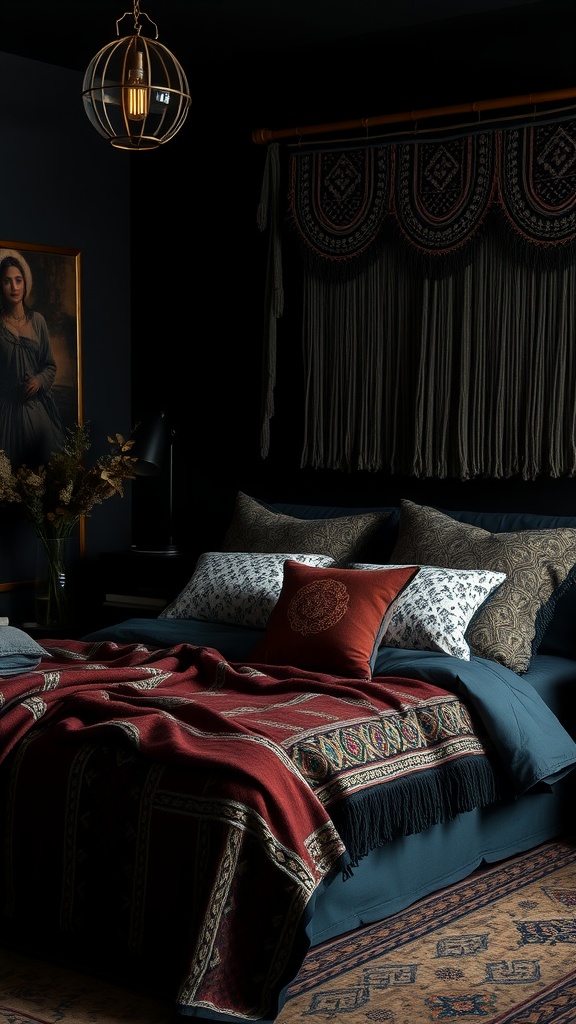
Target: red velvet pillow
(331, 620)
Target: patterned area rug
(497, 948)
(35, 992)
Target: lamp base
(169, 551)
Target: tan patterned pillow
(537, 564)
(255, 528)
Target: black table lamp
(153, 442)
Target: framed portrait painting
(40, 363)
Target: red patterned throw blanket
(194, 807)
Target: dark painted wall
(195, 205)
(173, 262)
(62, 185)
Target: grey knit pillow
(255, 528)
(539, 564)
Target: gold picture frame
(52, 275)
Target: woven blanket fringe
(405, 806)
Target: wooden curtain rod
(263, 135)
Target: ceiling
(69, 32)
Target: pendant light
(135, 92)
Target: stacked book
(134, 601)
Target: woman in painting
(30, 425)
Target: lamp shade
(150, 444)
(153, 441)
(135, 93)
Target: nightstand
(73, 631)
(139, 583)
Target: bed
(341, 712)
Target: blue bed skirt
(394, 876)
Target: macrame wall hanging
(439, 321)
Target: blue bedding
(234, 642)
(534, 747)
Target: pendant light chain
(137, 25)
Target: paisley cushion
(256, 528)
(539, 565)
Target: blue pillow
(18, 652)
(510, 522)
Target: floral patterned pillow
(238, 588)
(436, 608)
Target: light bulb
(136, 100)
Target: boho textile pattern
(318, 606)
(443, 190)
(438, 191)
(334, 761)
(177, 765)
(538, 181)
(340, 199)
(498, 946)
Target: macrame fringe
(441, 264)
(448, 365)
(467, 375)
(268, 214)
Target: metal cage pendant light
(135, 92)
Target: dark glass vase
(52, 597)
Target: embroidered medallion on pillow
(331, 620)
(236, 588)
(255, 528)
(539, 565)
(434, 611)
